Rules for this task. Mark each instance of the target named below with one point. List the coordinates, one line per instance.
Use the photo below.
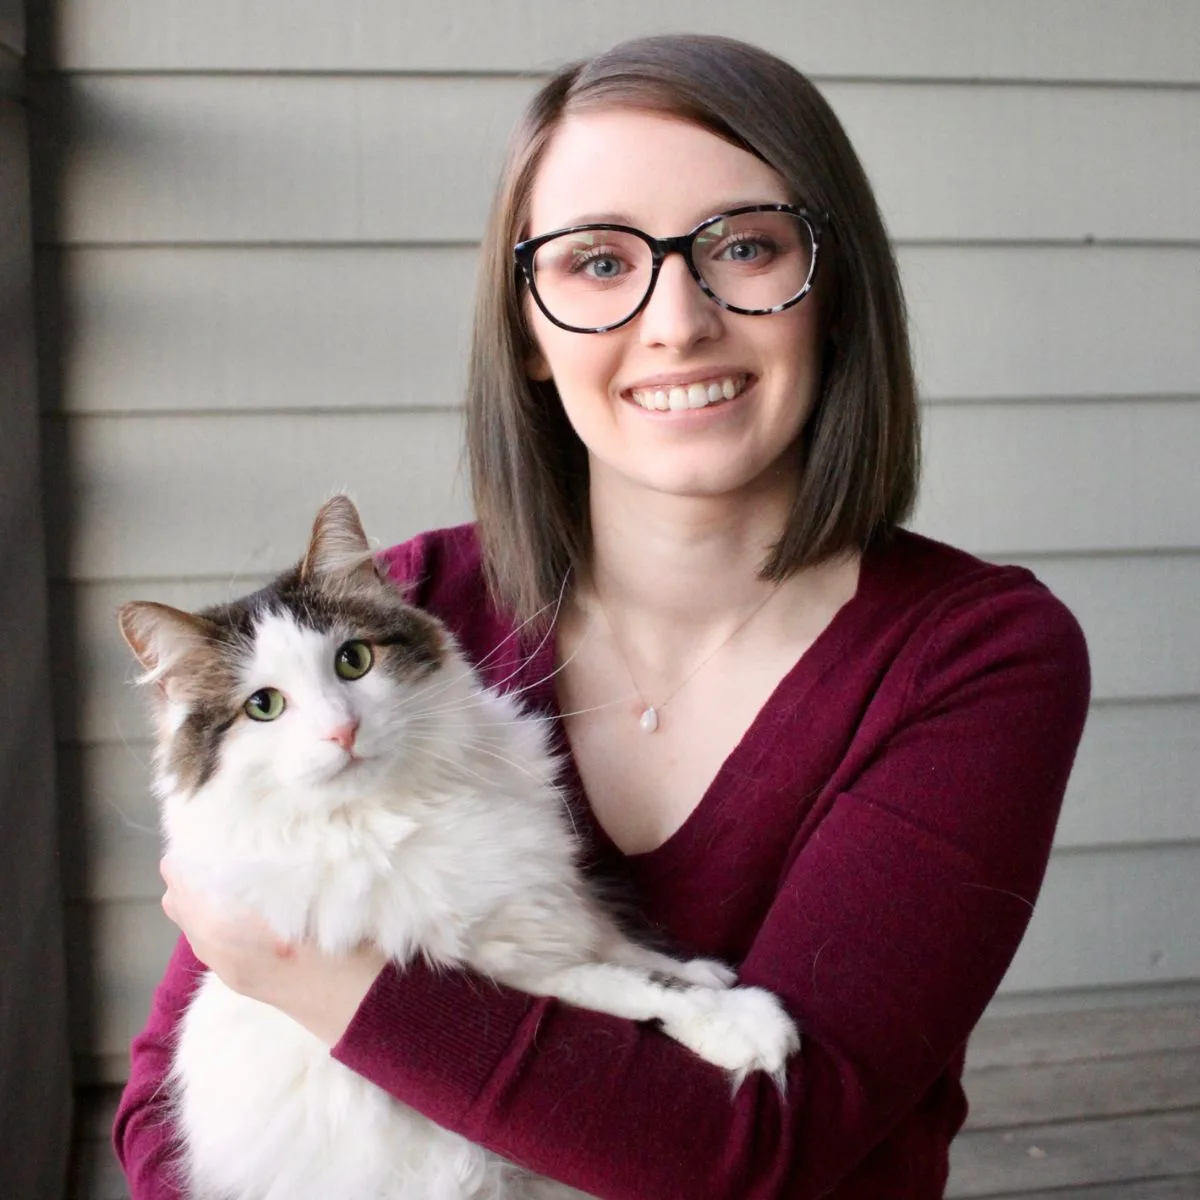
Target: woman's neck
(674, 567)
(675, 596)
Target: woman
(821, 748)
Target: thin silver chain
(649, 717)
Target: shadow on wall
(49, 152)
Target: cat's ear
(161, 637)
(338, 545)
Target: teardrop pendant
(649, 720)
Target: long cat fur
(432, 827)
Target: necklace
(648, 721)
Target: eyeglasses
(754, 260)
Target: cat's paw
(706, 973)
(743, 1029)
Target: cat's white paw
(706, 973)
(743, 1029)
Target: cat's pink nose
(344, 735)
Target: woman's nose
(678, 313)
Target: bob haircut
(857, 459)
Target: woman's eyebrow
(596, 218)
(622, 218)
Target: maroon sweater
(870, 852)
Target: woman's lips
(699, 394)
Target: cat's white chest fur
(268, 1114)
(265, 1111)
(311, 874)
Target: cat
(327, 758)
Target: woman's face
(664, 176)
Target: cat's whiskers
(438, 685)
(550, 627)
(230, 593)
(145, 763)
(435, 688)
(574, 712)
(477, 746)
(524, 662)
(128, 822)
(462, 705)
(458, 767)
(527, 716)
(528, 621)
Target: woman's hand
(321, 992)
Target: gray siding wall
(35, 1076)
(256, 245)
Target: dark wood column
(35, 1074)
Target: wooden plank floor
(1074, 1106)
(1083, 1106)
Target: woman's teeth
(695, 395)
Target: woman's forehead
(660, 173)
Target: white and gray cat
(327, 758)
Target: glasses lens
(592, 278)
(755, 260)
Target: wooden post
(35, 1074)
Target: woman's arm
(889, 934)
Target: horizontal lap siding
(1019, 478)
(333, 159)
(1118, 40)
(234, 492)
(335, 327)
(279, 328)
(255, 289)
(237, 494)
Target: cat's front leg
(702, 972)
(741, 1029)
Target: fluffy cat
(327, 758)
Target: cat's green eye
(354, 660)
(265, 705)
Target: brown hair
(858, 455)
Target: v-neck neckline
(824, 653)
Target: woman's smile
(683, 394)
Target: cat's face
(319, 691)
(308, 687)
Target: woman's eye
(597, 265)
(353, 660)
(745, 251)
(605, 268)
(265, 705)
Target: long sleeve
(894, 923)
(143, 1136)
